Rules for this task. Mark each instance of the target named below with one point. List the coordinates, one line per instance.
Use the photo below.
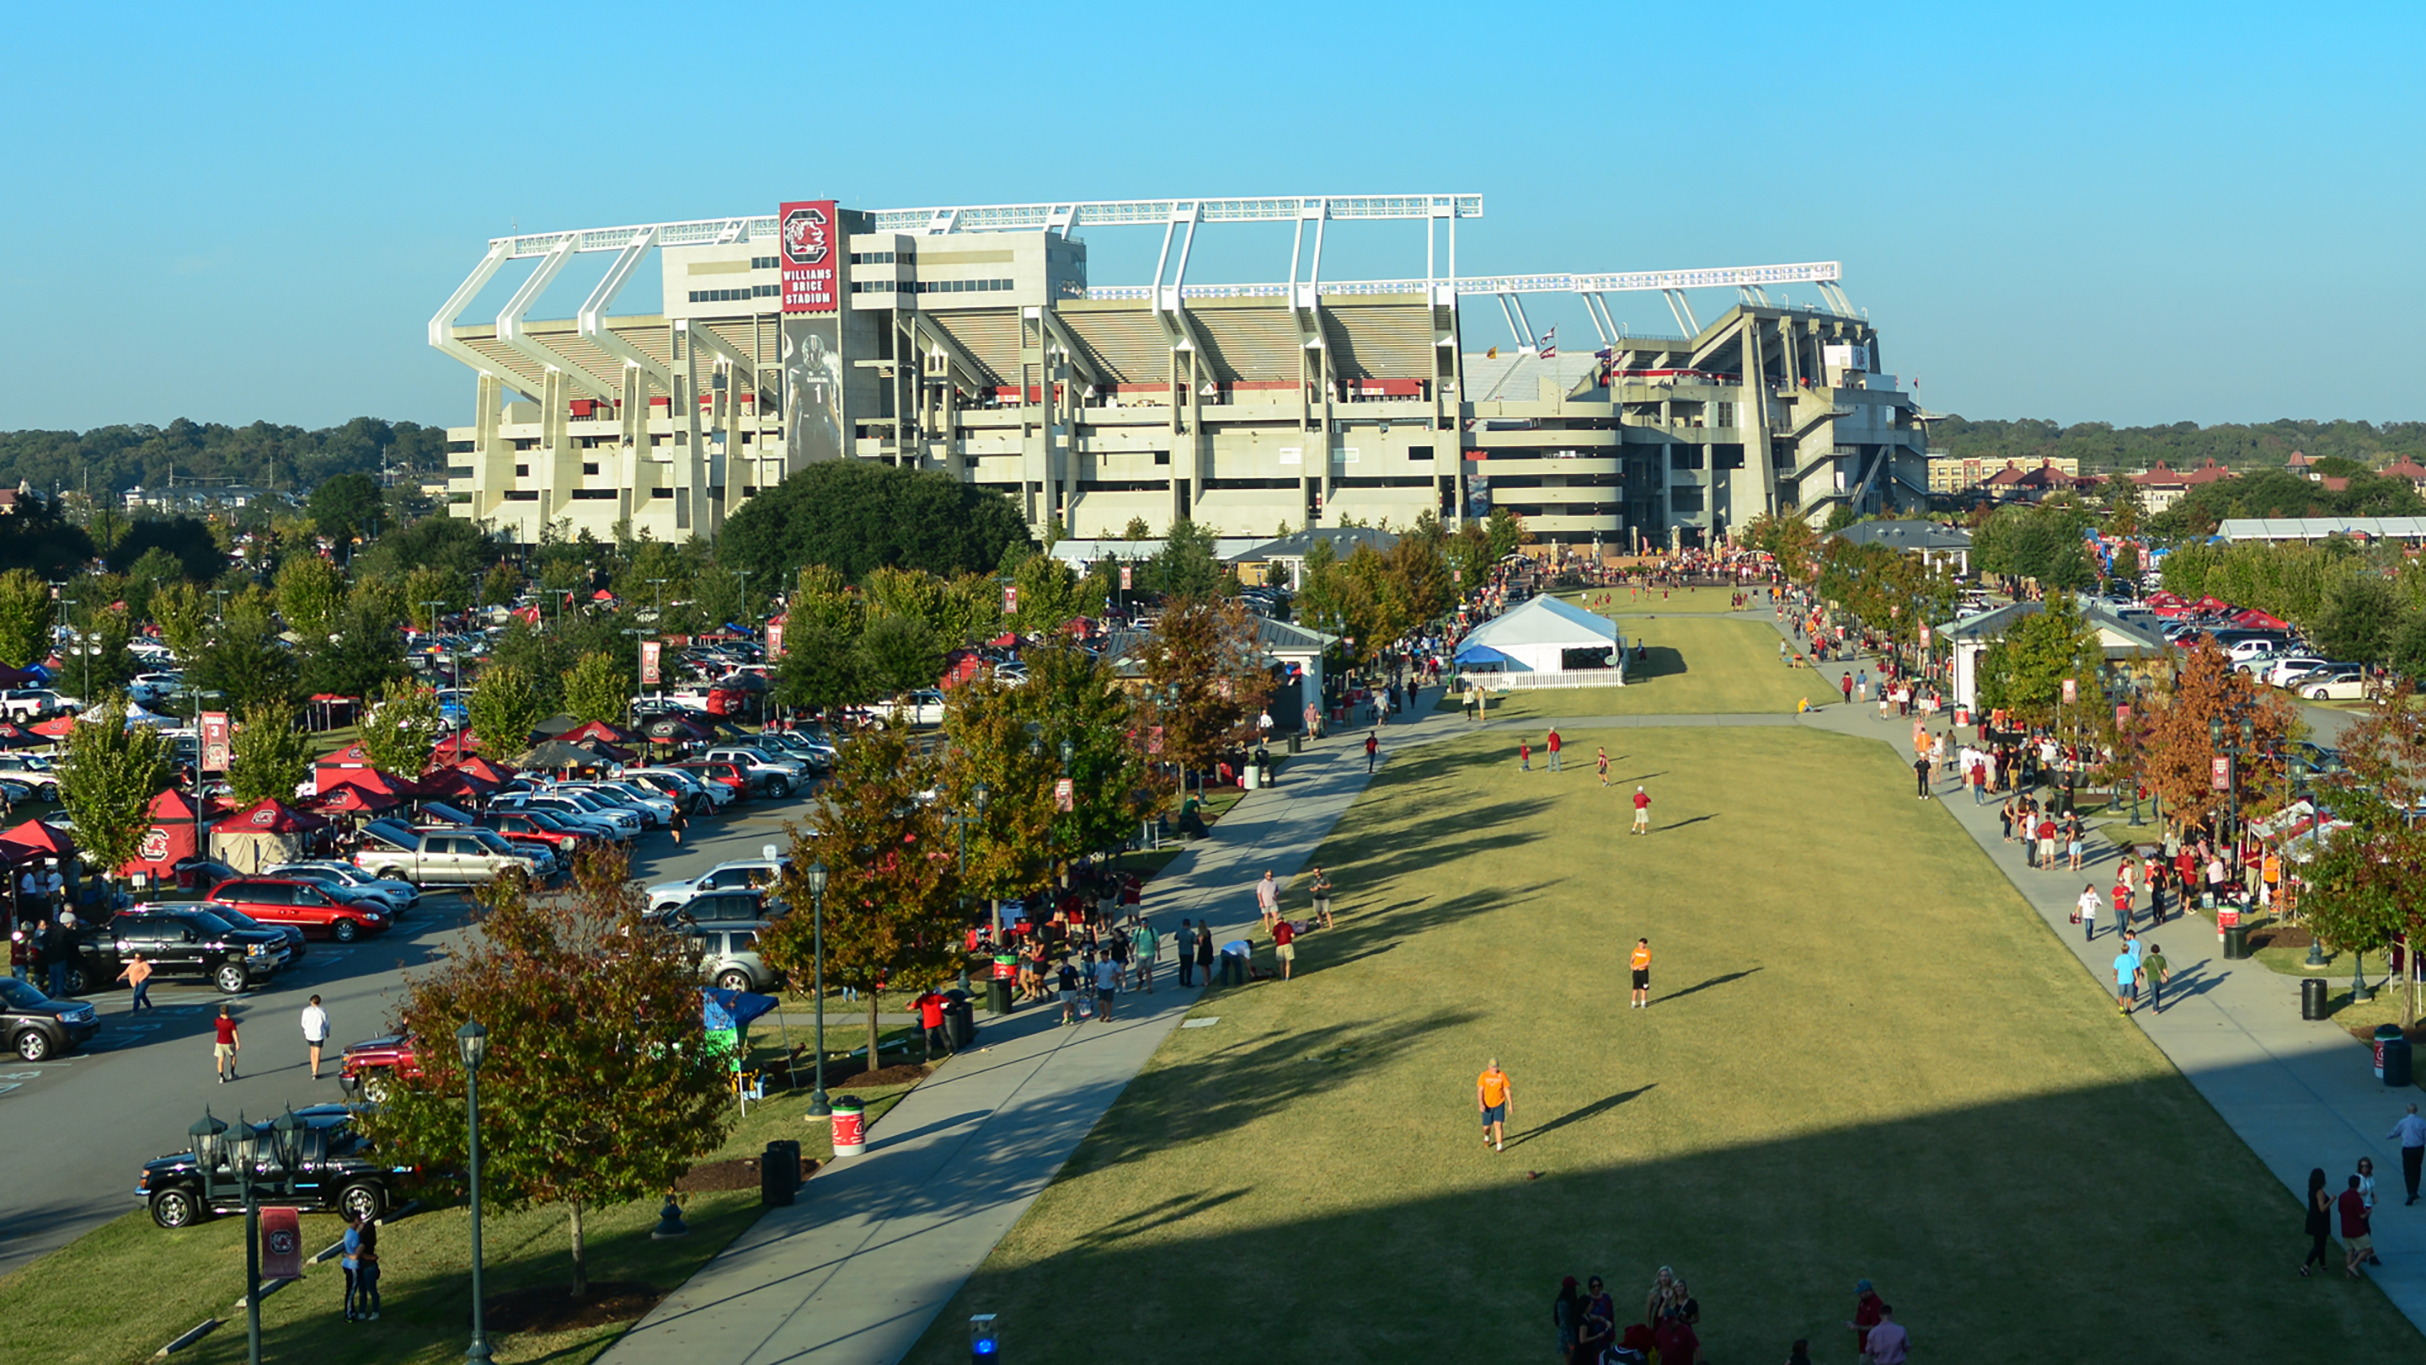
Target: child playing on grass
(1524, 756)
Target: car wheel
(78, 982)
(2318, 695)
(177, 1209)
(391, 874)
(779, 787)
(230, 978)
(346, 930)
(363, 1198)
(378, 1085)
(34, 1045)
(734, 981)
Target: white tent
(1537, 637)
(134, 714)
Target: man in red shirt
(1284, 945)
(1552, 746)
(930, 1009)
(1642, 812)
(2357, 1245)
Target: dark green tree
(346, 507)
(855, 515)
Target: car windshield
(491, 840)
(228, 914)
(19, 995)
(216, 918)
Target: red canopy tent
(598, 730)
(457, 746)
(172, 839)
(273, 816)
(2258, 620)
(264, 833)
(2210, 606)
(34, 839)
(367, 779)
(452, 782)
(487, 771)
(350, 800)
(54, 728)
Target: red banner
(652, 663)
(281, 1244)
(774, 641)
(1065, 795)
(1010, 599)
(215, 741)
(810, 246)
(2072, 693)
(1125, 584)
(2219, 775)
(1153, 739)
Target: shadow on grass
(1706, 985)
(1590, 1111)
(1658, 661)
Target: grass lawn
(1631, 601)
(172, 1281)
(1697, 665)
(1871, 1060)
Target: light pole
(202, 830)
(818, 1108)
(472, 1041)
(636, 635)
(659, 623)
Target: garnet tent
(2258, 620)
(371, 780)
(263, 834)
(456, 747)
(14, 736)
(2210, 606)
(599, 730)
(487, 771)
(354, 801)
(55, 727)
(170, 840)
(455, 782)
(34, 839)
(558, 755)
(18, 677)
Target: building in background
(973, 341)
(1950, 474)
(2161, 487)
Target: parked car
(617, 822)
(2338, 684)
(814, 750)
(308, 905)
(753, 875)
(180, 940)
(338, 1173)
(156, 690)
(398, 852)
(34, 703)
(731, 776)
(540, 829)
(742, 906)
(728, 956)
(775, 777)
(371, 1068)
(398, 897)
(655, 811)
(2279, 669)
(921, 707)
(34, 771)
(295, 945)
(698, 796)
(38, 1027)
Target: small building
(1284, 560)
(1933, 542)
(2134, 641)
(1544, 635)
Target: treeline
(2101, 446)
(2360, 604)
(262, 454)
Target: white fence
(1523, 681)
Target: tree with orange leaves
(2176, 743)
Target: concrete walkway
(855, 1271)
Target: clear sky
(2127, 213)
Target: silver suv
(746, 874)
(728, 957)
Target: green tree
(364, 654)
(856, 515)
(242, 658)
(2366, 884)
(595, 1090)
(2025, 672)
(425, 585)
(1050, 596)
(2360, 619)
(112, 772)
(505, 706)
(892, 896)
(26, 615)
(184, 617)
(344, 508)
(989, 744)
(154, 569)
(311, 594)
(898, 653)
(2408, 657)
(1186, 565)
(401, 729)
(1075, 698)
(270, 756)
(597, 688)
(1207, 680)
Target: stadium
(972, 340)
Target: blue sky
(2131, 214)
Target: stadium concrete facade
(972, 340)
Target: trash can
(2236, 942)
(959, 1019)
(2388, 1037)
(2393, 1060)
(779, 1173)
(2312, 998)
(850, 1126)
(1297, 743)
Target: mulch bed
(2280, 936)
(549, 1308)
(901, 1074)
(2365, 1033)
(740, 1173)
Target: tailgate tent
(1537, 637)
(262, 835)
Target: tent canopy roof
(1543, 621)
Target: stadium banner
(812, 392)
(215, 745)
(810, 244)
(652, 663)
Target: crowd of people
(1586, 1321)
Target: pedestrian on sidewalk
(1066, 982)
(2122, 903)
(2411, 1131)
(1552, 745)
(2126, 980)
(1601, 759)
(1185, 942)
(1321, 887)
(1267, 898)
(1144, 943)
(1204, 950)
(1107, 985)
(1844, 683)
(2366, 1179)
(2154, 971)
(2046, 842)
(224, 1044)
(2004, 817)
(315, 1032)
(2319, 1223)
(2085, 911)
(2357, 1244)
(1642, 812)
(1640, 965)
(138, 974)
(1495, 1095)
(1372, 746)
(1920, 776)
(930, 1007)
(1284, 946)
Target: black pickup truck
(179, 941)
(337, 1174)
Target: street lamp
(472, 1041)
(818, 1108)
(202, 829)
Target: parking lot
(77, 1128)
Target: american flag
(1548, 345)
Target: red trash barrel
(850, 1127)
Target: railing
(1563, 678)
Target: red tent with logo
(354, 801)
(371, 780)
(272, 816)
(597, 730)
(2258, 620)
(2210, 606)
(452, 782)
(54, 728)
(34, 839)
(456, 747)
(171, 840)
(487, 771)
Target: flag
(1548, 345)
(1604, 352)
(1492, 354)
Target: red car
(309, 906)
(719, 770)
(370, 1068)
(531, 827)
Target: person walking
(1144, 943)
(931, 1006)
(1267, 899)
(1066, 985)
(2085, 911)
(2126, 980)
(1494, 1095)
(1920, 776)
(2122, 903)
(58, 950)
(1107, 985)
(1321, 887)
(2366, 1187)
(2155, 973)
(2357, 1245)
(1372, 746)
(1185, 942)
(1524, 755)
(1601, 760)
(1204, 950)
(1642, 812)
(2319, 1223)
(1640, 965)
(677, 824)
(1284, 946)
(2046, 834)
(2411, 1131)
(224, 1044)
(1552, 745)
(138, 974)
(315, 1032)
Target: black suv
(38, 1027)
(180, 940)
(339, 1174)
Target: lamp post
(202, 829)
(636, 635)
(472, 1041)
(659, 623)
(818, 1108)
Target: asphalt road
(77, 1130)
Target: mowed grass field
(1697, 665)
(1865, 1058)
(1621, 601)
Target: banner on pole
(2219, 775)
(774, 640)
(281, 1244)
(2072, 693)
(1065, 795)
(215, 741)
(1010, 599)
(1125, 572)
(652, 663)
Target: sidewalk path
(853, 1273)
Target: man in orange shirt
(1641, 965)
(1494, 1093)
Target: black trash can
(2386, 1036)
(1297, 743)
(2395, 1054)
(2236, 943)
(779, 1173)
(959, 1019)
(2312, 998)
